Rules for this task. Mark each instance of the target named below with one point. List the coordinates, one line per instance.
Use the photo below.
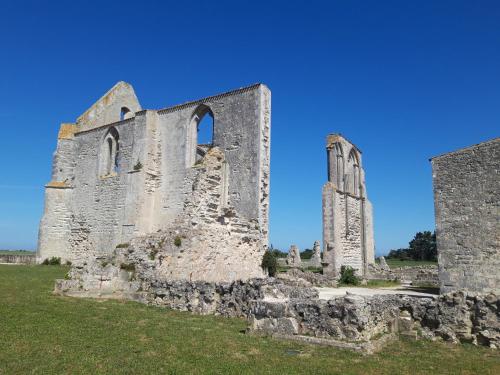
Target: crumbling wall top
(331, 139)
(119, 103)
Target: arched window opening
(354, 182)
(206, 130)
(339, 165)
(200, 134)
(109, 154)
(125, 113)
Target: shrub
(54, 261)
(269, 263)
(178, 241)
(347, 276)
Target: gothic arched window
(353, 173)
(109, 154)
(199, 134)
(338, 155)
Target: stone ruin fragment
(293, 258)
(347, 212)
(316, 256)
(383, 264)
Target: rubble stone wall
(281, 307)
(466, 200)
(456, 317)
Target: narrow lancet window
(109, 154)
(353, 173)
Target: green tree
(423, 246)
(347, 276)
(269, 263)
(306, 254)
(399, 254)
(277, 252)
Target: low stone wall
(300, 278)
(18, 259)
(227, 299)
(418, 274)
(304, 263)
(230, 299)
(350, 318)
(427, 274)
(456, 317)
(285, 308)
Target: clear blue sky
(404, 80)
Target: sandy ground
(327, 293)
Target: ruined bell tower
(347, 212)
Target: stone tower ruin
(347, 212)
(128, 178)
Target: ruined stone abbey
(120, 173)
(146, 210)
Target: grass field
(45, 334)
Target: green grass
(17, 252)
(394, 263)
(45, 334)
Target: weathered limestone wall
(347, 213)
(116, 182)
(244, 140)
(427, 274)
(98, 202)
(466, 200)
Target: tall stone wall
(114, 183)
(467, 206)
(347, 213)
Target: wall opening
(125, 113)
(109, 154)
(200, 134)
(339, 165)
(353, 177)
